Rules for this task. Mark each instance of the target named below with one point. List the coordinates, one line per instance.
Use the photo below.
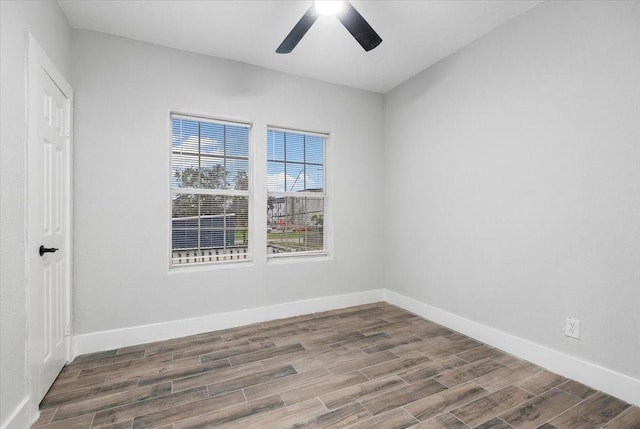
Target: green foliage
(194, 205)
(242, 181)
(205, 178)
(240, 205)
(215, 177)
(318, 220)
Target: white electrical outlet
(572, 328)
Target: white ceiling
(415, 34)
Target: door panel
(53, 232)
(49, 172)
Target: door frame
(39, 60)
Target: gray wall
(124, 92)
(516, 166)
(45, 21)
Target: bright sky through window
(295, 162)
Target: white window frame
(212, 260)
(300, 194)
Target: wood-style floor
(366, 367)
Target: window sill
(299, 257)
(207, 266)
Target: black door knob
(44, 250)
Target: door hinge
(67, 131)
(67, 329)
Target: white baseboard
(588, 373)
(591, 374)
(117, 338)
(19, 417)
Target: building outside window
(210, 190)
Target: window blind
(296, 192)
(209, 191)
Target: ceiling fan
(345, 12)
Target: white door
(49, 234)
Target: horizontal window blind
(209, 191)
(296, 192)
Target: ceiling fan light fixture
(328, 7)
(346, 14)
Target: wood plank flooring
(366, 367)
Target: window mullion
(284, 145)
(199, 158)
(198, 191)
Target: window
(209, 191)
(296, 193)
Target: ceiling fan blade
(359, 27)
(298, 31)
